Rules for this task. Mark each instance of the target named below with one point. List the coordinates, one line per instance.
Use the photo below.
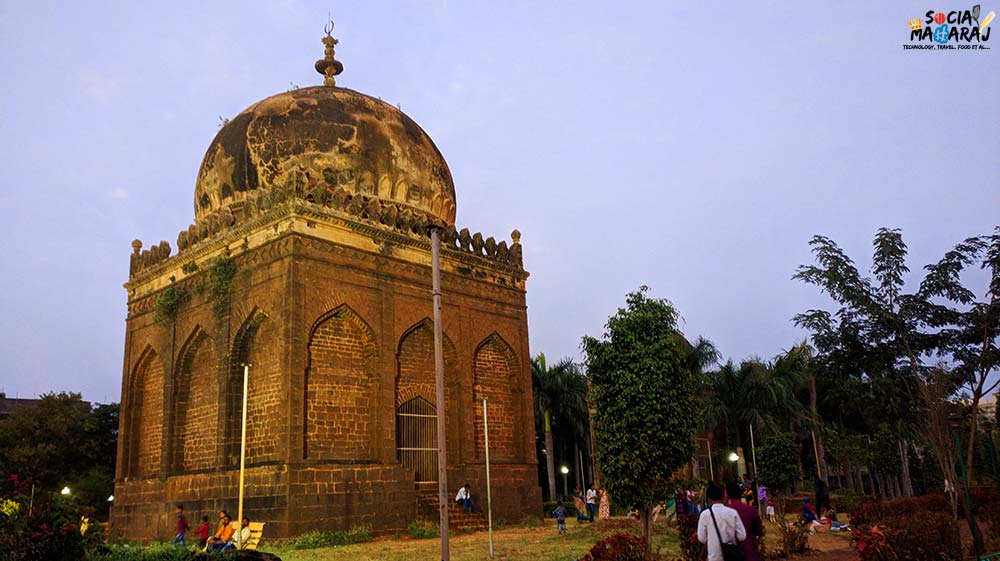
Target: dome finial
(329, 66)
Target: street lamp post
(565, 473)
(435, 232)
(243, 444)
(735, 458)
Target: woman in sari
(604, 510)
(580, 504)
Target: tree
(895, 332)
(779, 462)
(63, 442)
(643, 390)
(559, 392)
(755, 393)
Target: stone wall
(336, 339)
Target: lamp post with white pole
(565, 472)
(243, 442)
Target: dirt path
(830, 547)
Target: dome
(329, 136)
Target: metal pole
(489, 497)
(819, 473)
(711, 469)
(439, 375)
(756, 479)
(243, 446)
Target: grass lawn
(541, 543)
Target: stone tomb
(309, 259)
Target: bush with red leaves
(909, 536)
(619, 547)
(691, 548)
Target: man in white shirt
(591, 502)
(464, 498)
(730, 526)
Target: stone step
(458, 519)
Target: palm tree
(755, 392)
(559, 392)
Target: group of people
(227, 535)
(586, 507)
(736, 525)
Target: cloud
(119, 194)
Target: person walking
(182, 527)
(560, 515)
(750, 519)
(718, 525)
(203, 532)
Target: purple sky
(693, 148)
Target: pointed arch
(415, 375)
(145, 414)
(253, 344)
(494, 367)
(195, 405)
(416, 384)
(340, 386)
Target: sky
(691, 147)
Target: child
(770, 512)
(560, 515)
(182, 526)
(203, 531)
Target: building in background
(309, 259)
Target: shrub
(845, 499)
(691, 548)
(316, 539)
(420, 530)
(618, 547)
(794, 537)
(150, 552)
(909, 536)
(873, 513)
(48, 531)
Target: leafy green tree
(63, 442)
(560, 395)
(778, 461)
(899, 331)
(644, 394)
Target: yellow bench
(256, 531)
